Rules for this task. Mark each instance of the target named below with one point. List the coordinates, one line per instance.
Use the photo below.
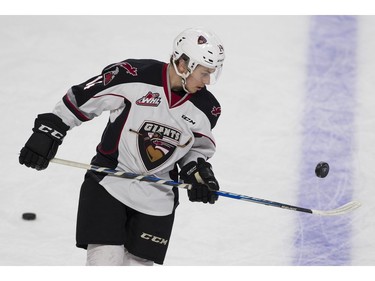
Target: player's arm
(82, 103)
(87, 100)
(194, 166)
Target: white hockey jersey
(150, 128)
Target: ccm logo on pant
(153, 238)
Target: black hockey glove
(201, 176)
(49, 131)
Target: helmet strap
(183, 76)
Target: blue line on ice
(327, 135)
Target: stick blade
(344, 209)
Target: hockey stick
(147, 178)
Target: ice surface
(261, 90)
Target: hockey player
(161, 121)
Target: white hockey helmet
(202, 47)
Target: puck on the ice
(322, 170)
(29, 216)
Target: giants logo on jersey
(156, 143)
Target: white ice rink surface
(262, 93)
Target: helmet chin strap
(183, 76)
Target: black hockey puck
(322, 170)
(29, 216)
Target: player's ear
(182, 65)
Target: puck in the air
(29, 216)
(322, 170)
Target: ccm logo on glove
(52, 132)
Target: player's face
(200, 77)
